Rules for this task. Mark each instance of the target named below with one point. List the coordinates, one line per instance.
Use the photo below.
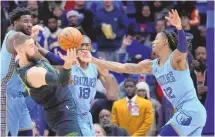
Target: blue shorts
(189, 120)
(86, 124)
(18, 117)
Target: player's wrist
(179, 27)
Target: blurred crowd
(121, 31)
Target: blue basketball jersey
(177, 86)
(52, 44)
(84, 86)
(9, 77)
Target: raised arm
(180, 54)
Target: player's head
(86, 44)
(21, 19)
(163, 42)
(25, 47)
(130, 87)
(105, 118)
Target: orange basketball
(70, 38)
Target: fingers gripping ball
(70, 38)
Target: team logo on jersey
(183, 119)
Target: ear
(15, 23)
(165, 42)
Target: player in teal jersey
(172, 73)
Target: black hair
(130, 80)
(52, 16)
(172, 39)
(17, 13)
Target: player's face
(86, 44)
(105, 118)
(130, 89)
(158, 43)
(24, 24)
(31, 51)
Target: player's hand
(85, 55)
(103, 71)
(174, 19)
(35, 31)
(69, 59)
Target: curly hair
(17, 13)
(172, 39)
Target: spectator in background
(143, 91)
(191, 10)
(106, 123)
(99, 130)
(199, 73)
(74, 20)
(32, 5)
(203, 32)
(87, 22)
(192, 34)
(60, 14)
(107, 47)
(160, 25)
(51, 42)
(133, 113)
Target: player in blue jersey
(83, 85)
(18, 118)
(172, 73)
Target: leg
(168, 130)
(86, 125)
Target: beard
(33, 59)
(53, 29)
(106, 124)
(202, 66)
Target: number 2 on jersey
(84, 93)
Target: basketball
(70, 37)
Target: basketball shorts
(85, 122)
(63, 120)
(18, 117)
(189, 120)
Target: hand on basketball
(174, 19)
(69, 59)
(103, 71)
(85, 55)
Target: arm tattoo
(133, 68)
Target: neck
(83, 65)
(109, 8)
(23, 63)
(164, 57)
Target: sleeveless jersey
(84, 86)
(177, 86)
(9, 79)
(48, 95)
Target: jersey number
(84, 93)
(169, 93)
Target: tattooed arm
(144, 66)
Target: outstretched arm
(180, 54)
(144, 66)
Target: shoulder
(36, 71)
